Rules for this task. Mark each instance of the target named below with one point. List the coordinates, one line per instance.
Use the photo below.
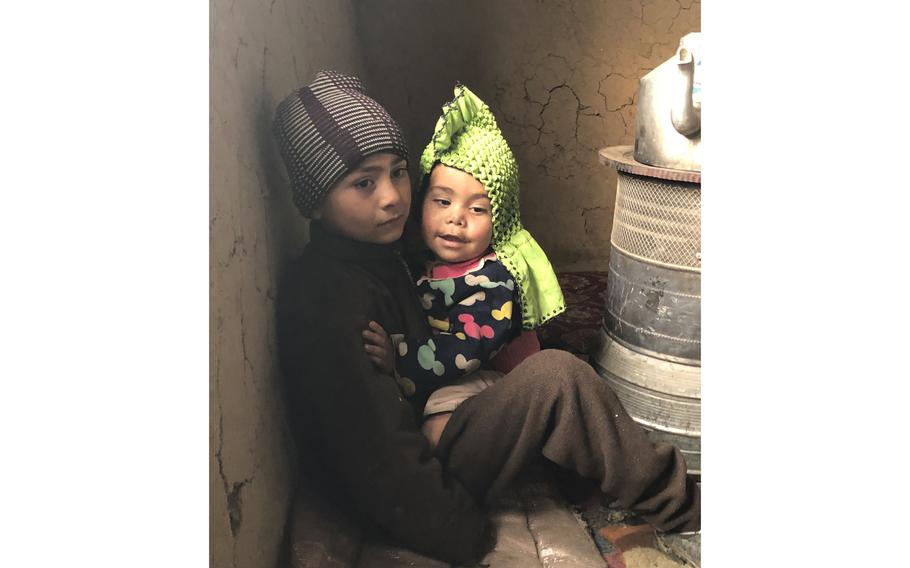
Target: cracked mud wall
(259, 52)
(561, 77)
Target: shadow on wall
(283, 227)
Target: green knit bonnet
(467, 138)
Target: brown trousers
(556, 405)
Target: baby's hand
(379, 348)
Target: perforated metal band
(658, 220)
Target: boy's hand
(379, 348)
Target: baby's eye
(479, 210)
(443, 202)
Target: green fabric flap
(541, 296)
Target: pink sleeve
(515, 352)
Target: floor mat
(577, 330)
(624, 539)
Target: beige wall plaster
(561, 77)
(259, 52)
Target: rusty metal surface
(648, 373)
(654, 309)
(659, 394)
(662, 396)
(622, 158)
(690, 446)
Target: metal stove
(650, 348)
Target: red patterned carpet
(578, 328)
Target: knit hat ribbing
(325, 129)
(467, 138)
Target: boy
(346, 160)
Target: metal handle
(684, 113)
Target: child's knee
(563, 362)
(555, 370)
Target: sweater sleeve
(373, 443)
(474, 330)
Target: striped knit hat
(325, 129)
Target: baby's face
(457, 216)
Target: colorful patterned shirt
(470, 307)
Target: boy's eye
(363, 183)
(399, 173)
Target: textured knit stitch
(325, 129)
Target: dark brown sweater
(359, 427)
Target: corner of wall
(259, 52)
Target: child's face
(457, 216)
(371, 203)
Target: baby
(489, 284)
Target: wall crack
(240, 43)
(218, 458)
(235, 508)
